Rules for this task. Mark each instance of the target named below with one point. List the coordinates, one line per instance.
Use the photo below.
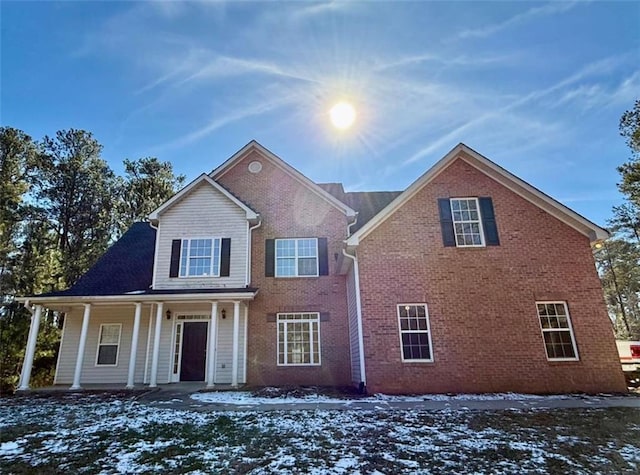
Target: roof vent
(255, 167)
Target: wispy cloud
(552, 8)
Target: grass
(93, 434)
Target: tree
(630, 171)
(76, 195)
(147, 184)
(18, 159)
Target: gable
(463, 153)
(196, 186)
(254, 147)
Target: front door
(194, 351)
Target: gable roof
(284, 166)
(127, 266)
(496, 172)
(204, 178)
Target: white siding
(92, 374)
(224, 349)
(205, 212)
(354, 344)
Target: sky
(537, 87)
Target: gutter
(125, 298)
(249, 231)
(26, 304)
(356, 274)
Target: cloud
(548, 9)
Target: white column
(25, 376)
(134, 346)
(213, 335)
(235, 338)
(81, 345)
(153, 380)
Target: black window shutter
(489, 222)
(174, 267)
(269, 257)
(225, 257)
(446, 222)
(323, 258)
(324, 316)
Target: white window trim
(109, 344)
(296, 257)
(549, 330)
(311, 341)
(182, 250)
(482, 239)
(401, 331)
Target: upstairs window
(557, 333)
(297, 257)
(468, 222)
(200, 257)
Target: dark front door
(194, 351)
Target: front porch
(116, 343)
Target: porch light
(223, 313)
(168, 314)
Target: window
(466, 222)
(297, 257)
(556, 331)
(108, 344)
(415, 335)
(200, 257)
(298, 339)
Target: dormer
(202, 239)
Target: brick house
(470, 280)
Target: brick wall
(481, 301)
(289, 209)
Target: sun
(342, 115)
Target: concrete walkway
(178, 397)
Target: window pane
(110, 334)
(307, 266)
(285, 267)
(307, 248)
(107, 354)
(285, 248)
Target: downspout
(26, 305)
(249, 231)
(356, 274)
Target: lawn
(117, 434)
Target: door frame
(175, 355)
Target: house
(470, 280)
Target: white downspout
(356, 274)
(249, 231)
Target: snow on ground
(245, 398)
(124, 436)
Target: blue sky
(536, 87)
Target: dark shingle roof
(127, 266)
(366, 203)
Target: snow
(126, 436)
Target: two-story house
(470, 280)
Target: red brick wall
(289, 209)
(485, 330)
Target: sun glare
(342, 115)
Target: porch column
(134, 345)
(236, 336)
(81, 345)
(153, 380)
(25, 376)
(213, 335)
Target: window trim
(483, 242)
(428, 331)
(549, 330)
(98, 345)
(311, 341)
(296, 257)
(184, 249)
